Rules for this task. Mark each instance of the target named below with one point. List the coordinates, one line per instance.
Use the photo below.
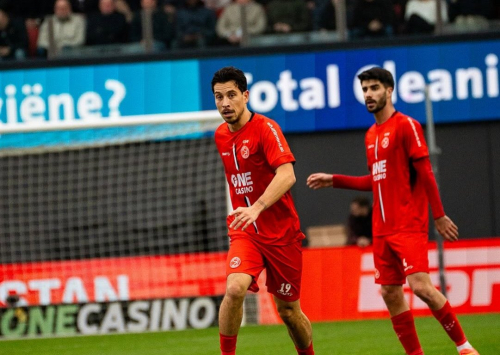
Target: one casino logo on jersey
(245, 152)
(385, 142)
(235, 262)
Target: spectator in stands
(85, 6)
(163, 27)
(195, 25)
(242, 17)
(323, 15)
(372, 18)
(124, 8)
(68, 29)
(285, 16)
(13, 37)
(107, 26)
(359, 223)
(471, 13)
(421, 15)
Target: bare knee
(391, 294)
(286, 313)
(236, 292)
(426, 292)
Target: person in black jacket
(13, 37)
(106, 26)
(163, 27)
(372, 18)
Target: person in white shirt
(421, 15)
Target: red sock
(228, 344)
(308, 351)
(450, 323)
(404, 326)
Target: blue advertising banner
(303, 92)
(320, 91)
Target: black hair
(380, 74)
(226, 74)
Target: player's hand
(446, 227)
(319, 180)
(244, 217)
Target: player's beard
(233, 119)
(379, 106)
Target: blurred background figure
(241, 18)
(13, 37)
(106, 26)
(285, 16)
(359, 223)
(195, 25)
(163, 27)
(421, 15)
(372, 18)
(68, 29)
(323, 15)
(85, 6)
(471, 14)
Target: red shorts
(399, 255)
(283, 264)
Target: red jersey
(250, 157)
(400, 202)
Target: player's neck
(383, 115)
(245, 117)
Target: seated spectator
(285, 16)
(13, 37)
(421, 15)
(323, 16)
(359, 223)
(230, 24)
(471, 14)
(195, 25)
(68, 29)
(107, 26)
(163, 27)
(372, 18)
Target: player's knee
(390, 295)
(423, 291)
(286, 313)
(236, 291)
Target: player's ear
(246, 95)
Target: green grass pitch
(374, 337)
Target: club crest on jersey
(245, 152)
(377, 274)
(235, 262)
(385, 142)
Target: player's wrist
(262, 204)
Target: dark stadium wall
(469, 174)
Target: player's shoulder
(404, 119)
(221, 131)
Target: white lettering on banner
(73, 289)
(476, 288)
(61, 107)
(264, 95)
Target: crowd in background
(30, 28)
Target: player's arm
(319, 180)
(279, 185)
(443, 223)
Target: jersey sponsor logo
(226, 154)
(242, 183)
(379, 170)
(385, 142)
(245, 152)
(371, 146)
(387, 134)
(276, 136)
(235, 262)
(246, 141)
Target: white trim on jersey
(379, 189)
(234, 156)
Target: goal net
(115, 210)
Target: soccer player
(403, 185)
(264, 227)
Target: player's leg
(421, 285)
(298, 325)
(284, 274)
(243, 266)
(231, 311)
(390, 275)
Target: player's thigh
(245, 257)
(388, 267)
(284, 270)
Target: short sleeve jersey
(250, 157)
(400, 202)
